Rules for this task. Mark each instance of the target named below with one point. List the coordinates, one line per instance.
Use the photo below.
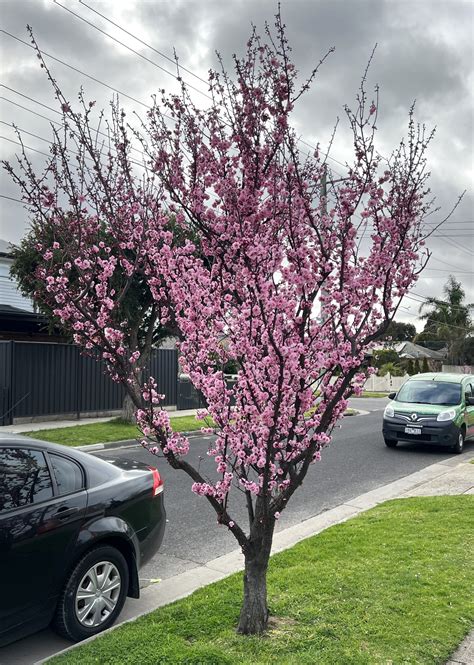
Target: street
(356, 461)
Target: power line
(17, 92)
(457, 235)
(446, 325)
(11, 198)
(25, 146)
(448, 238)
(464, 272)
(445, 262)
(140, 55)
(25, 108)
(438, 300)
(79, 71)
(71, 152)
(300, 140)
(424, 300)
(55, 122)
(141, 41)
(459, 247)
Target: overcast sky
(424, 52)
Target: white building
(10, 296)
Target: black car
(74, 530)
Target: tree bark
(128, 410)
(132, 400)
(254, 612)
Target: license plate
(412, 430)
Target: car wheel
(93, 595)
(390, 443)
(459, 445)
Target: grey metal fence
(41, 379)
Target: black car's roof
(114, 467)
(79, 455)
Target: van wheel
(93, 595)
(390, 443)
(459, 445)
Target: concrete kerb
(91, 447)
(184, 584)
(128, 443)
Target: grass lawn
(391, 586)
(112, 430)
(351, 412)
(367, 393)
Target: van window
(430, 392)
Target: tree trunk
(128, 410)
(131, 402)
(254, 612)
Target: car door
(469, 413)
(39, 522)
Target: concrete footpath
(454, 475)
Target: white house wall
(9, 293)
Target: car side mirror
(469, 400)
(392, 395)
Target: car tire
(458, 447)
(93, 595)
(390, 443)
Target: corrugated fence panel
(5, 378)
(42, 379)
(98, 391)
(45, 379)
(164, 369)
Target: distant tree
(447, 319)
(410, 367)
(392, 369)
(383, 356)
(424, 365)
(400, 332)
(461, 352)
(416, 367)
(135, 310)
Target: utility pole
(324, 210)
(323, 192)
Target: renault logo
(414, 416)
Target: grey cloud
(422, 53)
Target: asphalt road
(357, 461)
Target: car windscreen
(430, 392)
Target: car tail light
(157, 481)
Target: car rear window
(68, 474)
(24, 478)
(430, 392)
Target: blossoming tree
(291, 285)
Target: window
(68, 474)
(430, 392)
(24, 478)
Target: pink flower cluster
(257, 269)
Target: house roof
(415, 351)
(5, 248)
(10, 312)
